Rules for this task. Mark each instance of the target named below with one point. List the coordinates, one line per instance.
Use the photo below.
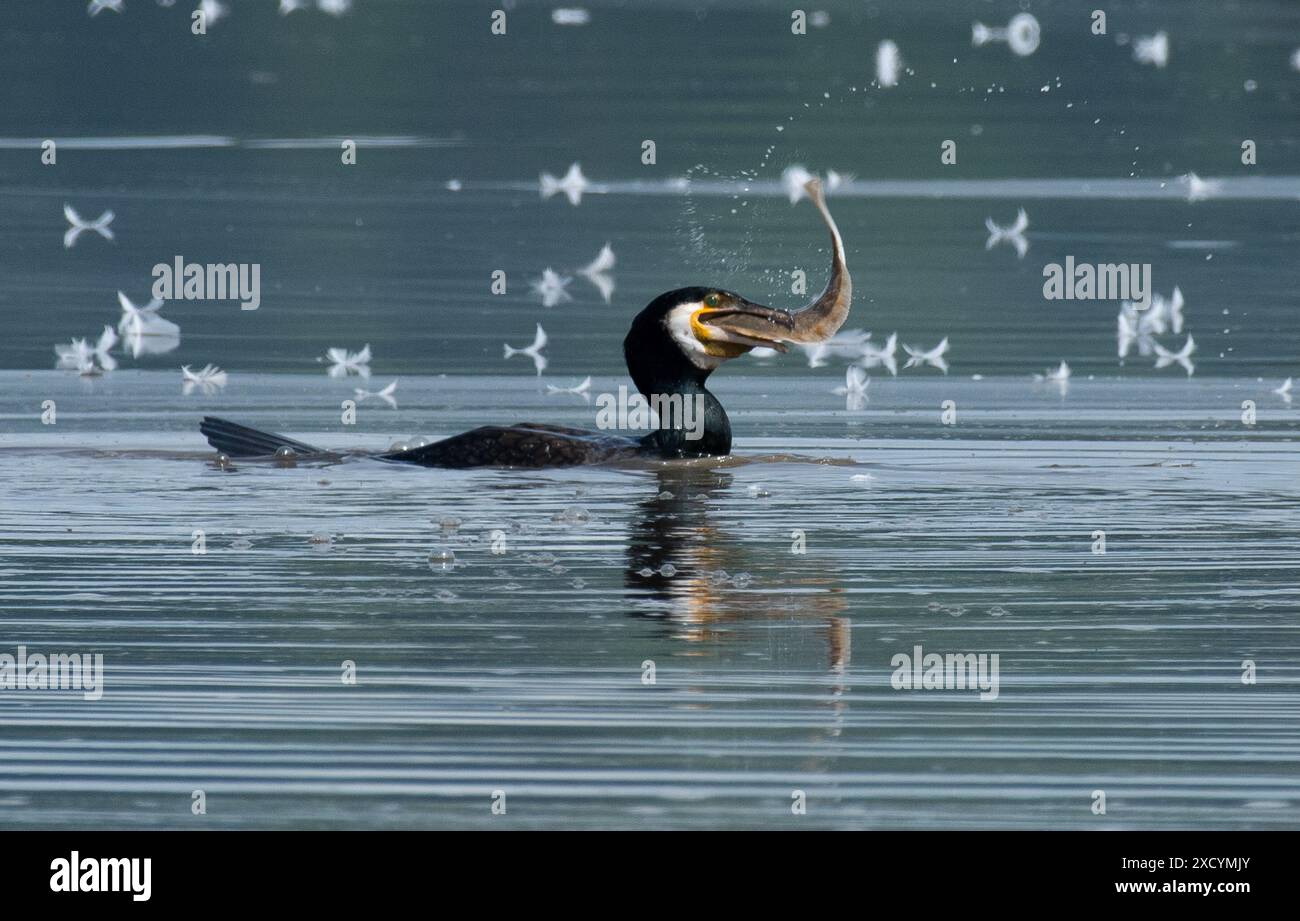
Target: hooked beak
(735, 327)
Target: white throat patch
(678, 322)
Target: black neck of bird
(692, 423)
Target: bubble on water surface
(442, 559)
(574, 514)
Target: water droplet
(450, 523)
(223, 462)
(321, 540)
(397, 447)
(667, 570)
(286, 456)
(756, 491)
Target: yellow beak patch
(708, 337)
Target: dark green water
(382, 252)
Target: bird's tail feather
(241, 441)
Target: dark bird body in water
(659, 365)
(674, 344)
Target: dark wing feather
(524, 445)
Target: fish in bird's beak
(728, 325)
(734, 325)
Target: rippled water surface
(652, 645)
(522, 670)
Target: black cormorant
(674, 344)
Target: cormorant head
(678, 340)
(682, 336)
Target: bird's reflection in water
(696, 572)
(688, 565)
